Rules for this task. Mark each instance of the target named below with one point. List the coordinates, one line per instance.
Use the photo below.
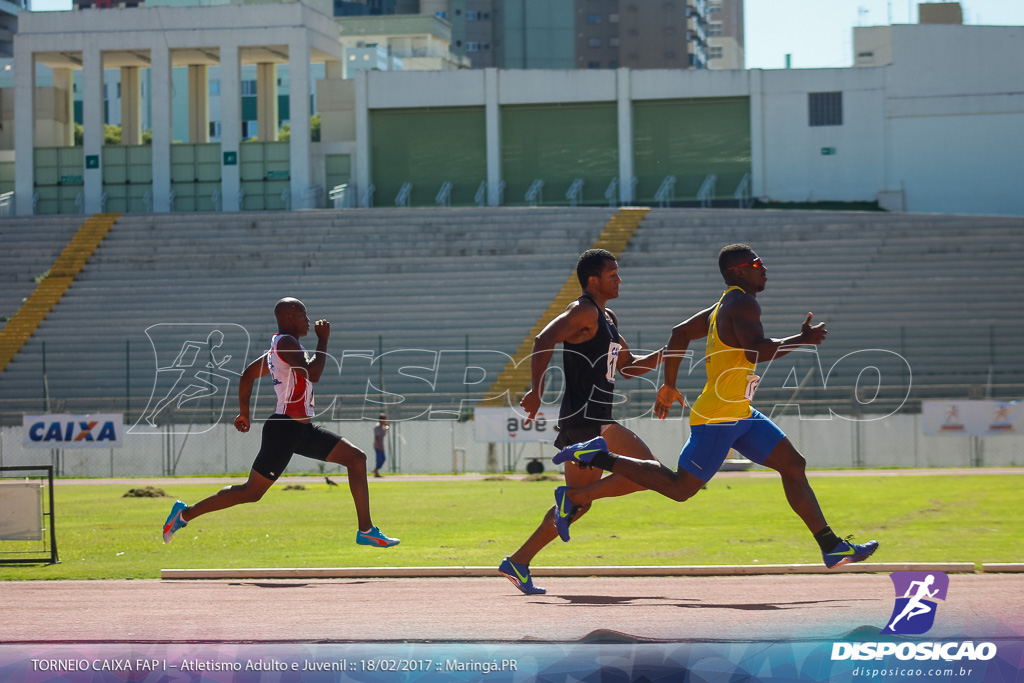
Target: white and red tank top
(294, 390)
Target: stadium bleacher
(940, 291)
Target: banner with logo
(972, 418)
(100, 430)
(502, 425)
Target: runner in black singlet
(593, 352)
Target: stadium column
(624, 103)
(198, 103)
(160, 113)
(362, 137)
(492, 116)
(63, 80)
(230, 127)
(92, 124)
(757, 156)
(24, 122)
(131, 106)
(298, 117)
(267, 120)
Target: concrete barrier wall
(427, 446)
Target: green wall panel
(338, 169)
(59, 176)
(557, 143)
(690, 139)
(427, 147)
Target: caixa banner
(101, 430)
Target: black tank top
(590, 376)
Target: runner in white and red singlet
(290, 429)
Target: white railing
(444, 195)
(6, 203)
(706, 193)
(367, 199)
(402, 198)
(481, 194)
(632, 189)
(35, 201)
(666, 193)
(612, 193)
(535, 195)
(79, 202)
(501, 193)
(170, 201)
(286, 199)
(343, 196)
(742, 193)
(147, 199)
(215, 200)
(575, 192)
(314, 192)
(241, 200)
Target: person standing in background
(378, 442)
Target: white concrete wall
(955, 116)
(794, 169)
(426, 447)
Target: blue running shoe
(847, 552)
(581, 453)
(174, 521)
(519, 575)
(375, 537)
(564, 509)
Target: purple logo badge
(916, 593)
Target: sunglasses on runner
(756, 263)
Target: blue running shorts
(708, 445)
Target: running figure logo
(206, 359)
(916, 592)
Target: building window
(593, 65)
(248, 88)
(593, 42)
(441, 15)
(714, 7)
(613, 18)
(714, 28)
(613, 64)
(825, 108)
(214, 129)
(478, 47)
(214, 88)
(715, 52)
(593, 18)
(472, 16)
(613, 41)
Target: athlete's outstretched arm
(745, 316)
(631, 366)
(253, 371)
(693, 328)
(289, 350)
(574, 323)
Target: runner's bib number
(613, 361)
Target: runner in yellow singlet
(722, 418)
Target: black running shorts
(567, 437)
(283, 437)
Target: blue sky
(816, 33)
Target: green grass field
(102, 535)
